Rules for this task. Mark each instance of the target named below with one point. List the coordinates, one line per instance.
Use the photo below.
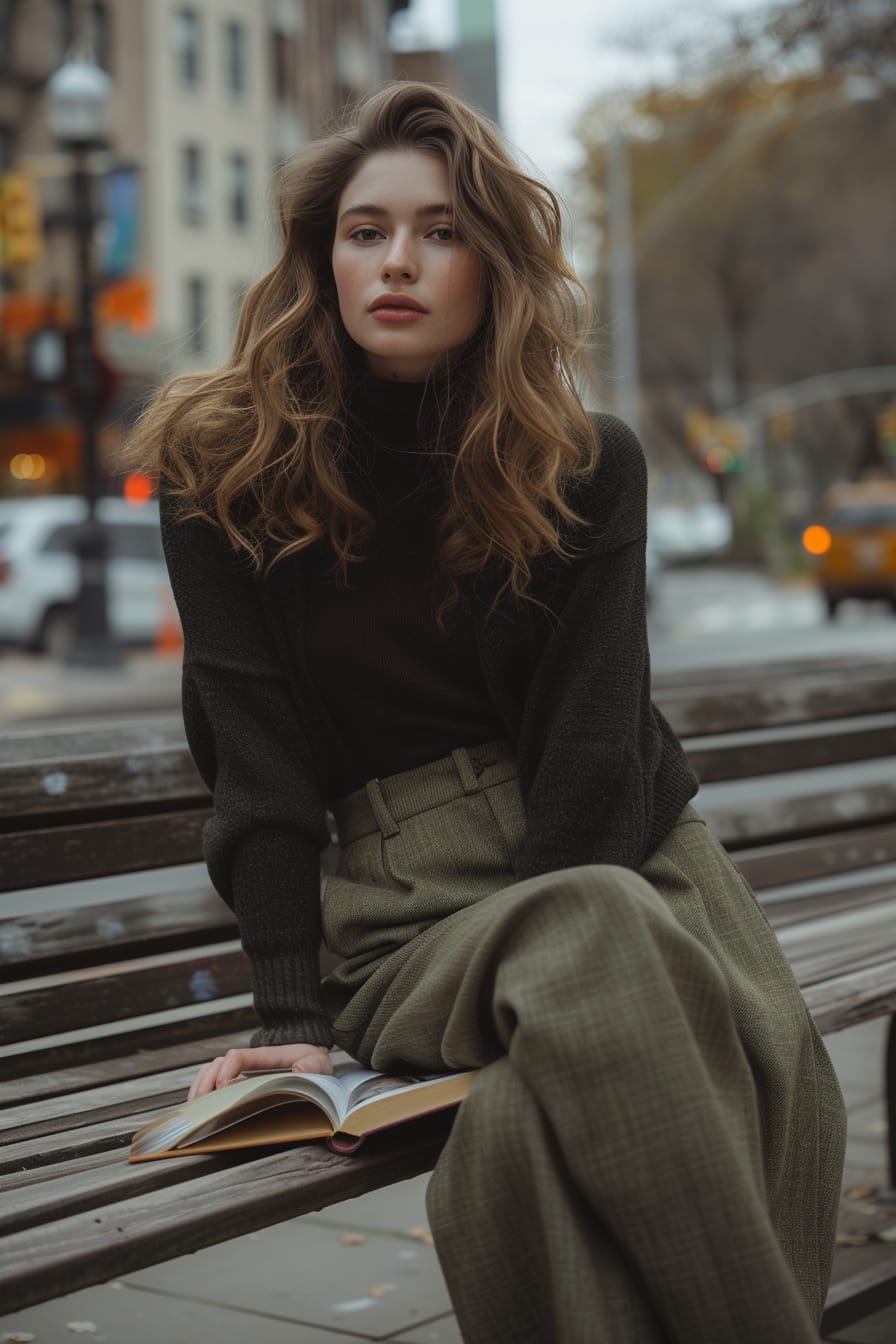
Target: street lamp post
(78, 104)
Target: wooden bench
(110, 1000)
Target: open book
(284, 1107)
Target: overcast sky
(555, 55)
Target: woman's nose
(399, 261)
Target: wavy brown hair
(260, 446)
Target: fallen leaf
(378, 1292)
(861, 1192)
(81, 1327)
(851, 1239)
(420, 1234)
(352, 1239)
(18, 1337)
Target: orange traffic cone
(169, 640)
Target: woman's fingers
(225, 1069)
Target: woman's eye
(443, 234)
(365, 235)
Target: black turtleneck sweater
(399, 691)
(273, 660)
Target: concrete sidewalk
(366, 1269)
(35, 690)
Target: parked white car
(692, 531)
(39, 572)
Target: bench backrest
(108, 798)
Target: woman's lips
(397, 308)
(399, 314)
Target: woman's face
(410, 290)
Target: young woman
(410, 571)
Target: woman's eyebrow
(379, 211)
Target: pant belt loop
(468, 777)
(384, 818)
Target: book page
(230, 1105)
(404, 1102)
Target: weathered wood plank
(744, 755)
(150, 775)
(853, 998)
(49, 1150)
(96, 1245)
(98, 994)
(76, 1049)
(63, 939)
(843, 943)
(836, 899)
(66, 1114)
(820, 856)
(765, 702)
(147, 730)
(799, 804)
(771, 669)
(143, 1063)
(105, 1179)
(35, 858)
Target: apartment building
(208, 96)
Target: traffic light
(721, 443)
(21, 239)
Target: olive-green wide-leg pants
(653, 1148)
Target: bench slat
(64, 1082)
(745, 755)
(100, 994)
(64, 939)
(795, 805)
(735, 675)
(145, 1033)
(94, 1246)
(855, 998)
(42, 1154)
(812, 698)
(820, 856)
(100, 848)
(54, 742)
(64, 1114)
(153, 775)
(108, 1179)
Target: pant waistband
(384, 803)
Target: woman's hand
(226, 1068)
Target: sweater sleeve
(262, 844)
(591, 743)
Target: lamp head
(79, 94)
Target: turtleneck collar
(393, 413)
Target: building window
(96, 18)
(64, 26)
(236, 59)
(197, 314)
(188, 47)
(238, 189)
(194, 189)
(283, 61)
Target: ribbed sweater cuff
(276, 887)
(289, 1015)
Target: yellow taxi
(853, 544)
